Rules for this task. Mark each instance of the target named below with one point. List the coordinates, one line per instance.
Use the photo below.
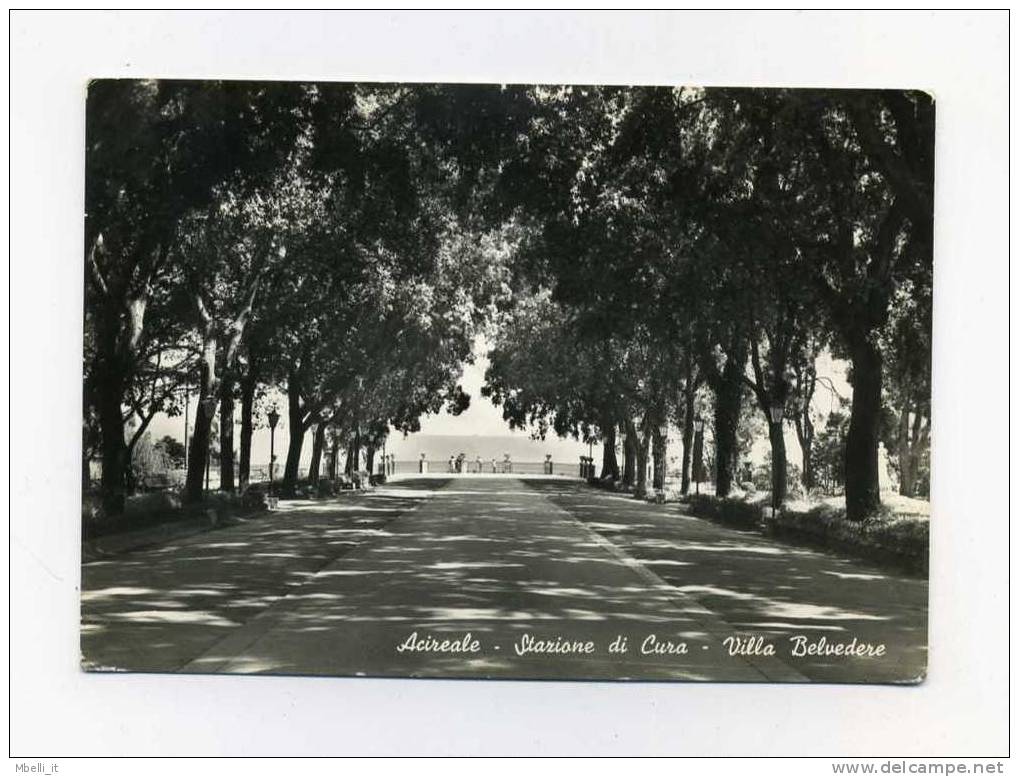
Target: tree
(907, 348)
(232, 251)
(859, 224)
(876, 152)
(155, 150)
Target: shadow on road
(761, 585)
(154, 609)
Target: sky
(482, 417)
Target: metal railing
(440, 467)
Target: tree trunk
(288, 487)
(727, 387)
(659, 452)
(121, 304)
(697, 465)
(643, 450)
(778, 463)
(317, 446)
(247, 411)
(913, 433)
(198, 452)
(369, 456)
(295, 418)
(109, 394)
(117, 337)
(907, 478)
(728, 400)
(130, 482)
(334, 458)
(629, 454)
(210, 389)
(863, 494)
(356, 451)
(609, 465)
(807, 450)
(226, 436)
(805, 436)
(688, 419)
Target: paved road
(336, 588)
(762, 586)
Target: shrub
(153, 502)
(735, 512)
(902, 539)
(255, 498)
(327, 488)
(896, 539)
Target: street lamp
(274, 418)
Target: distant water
(488, 447)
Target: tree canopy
(639, 256)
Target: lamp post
(274, 419)
(775, 412)
(698, 453)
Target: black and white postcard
(516, 381)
